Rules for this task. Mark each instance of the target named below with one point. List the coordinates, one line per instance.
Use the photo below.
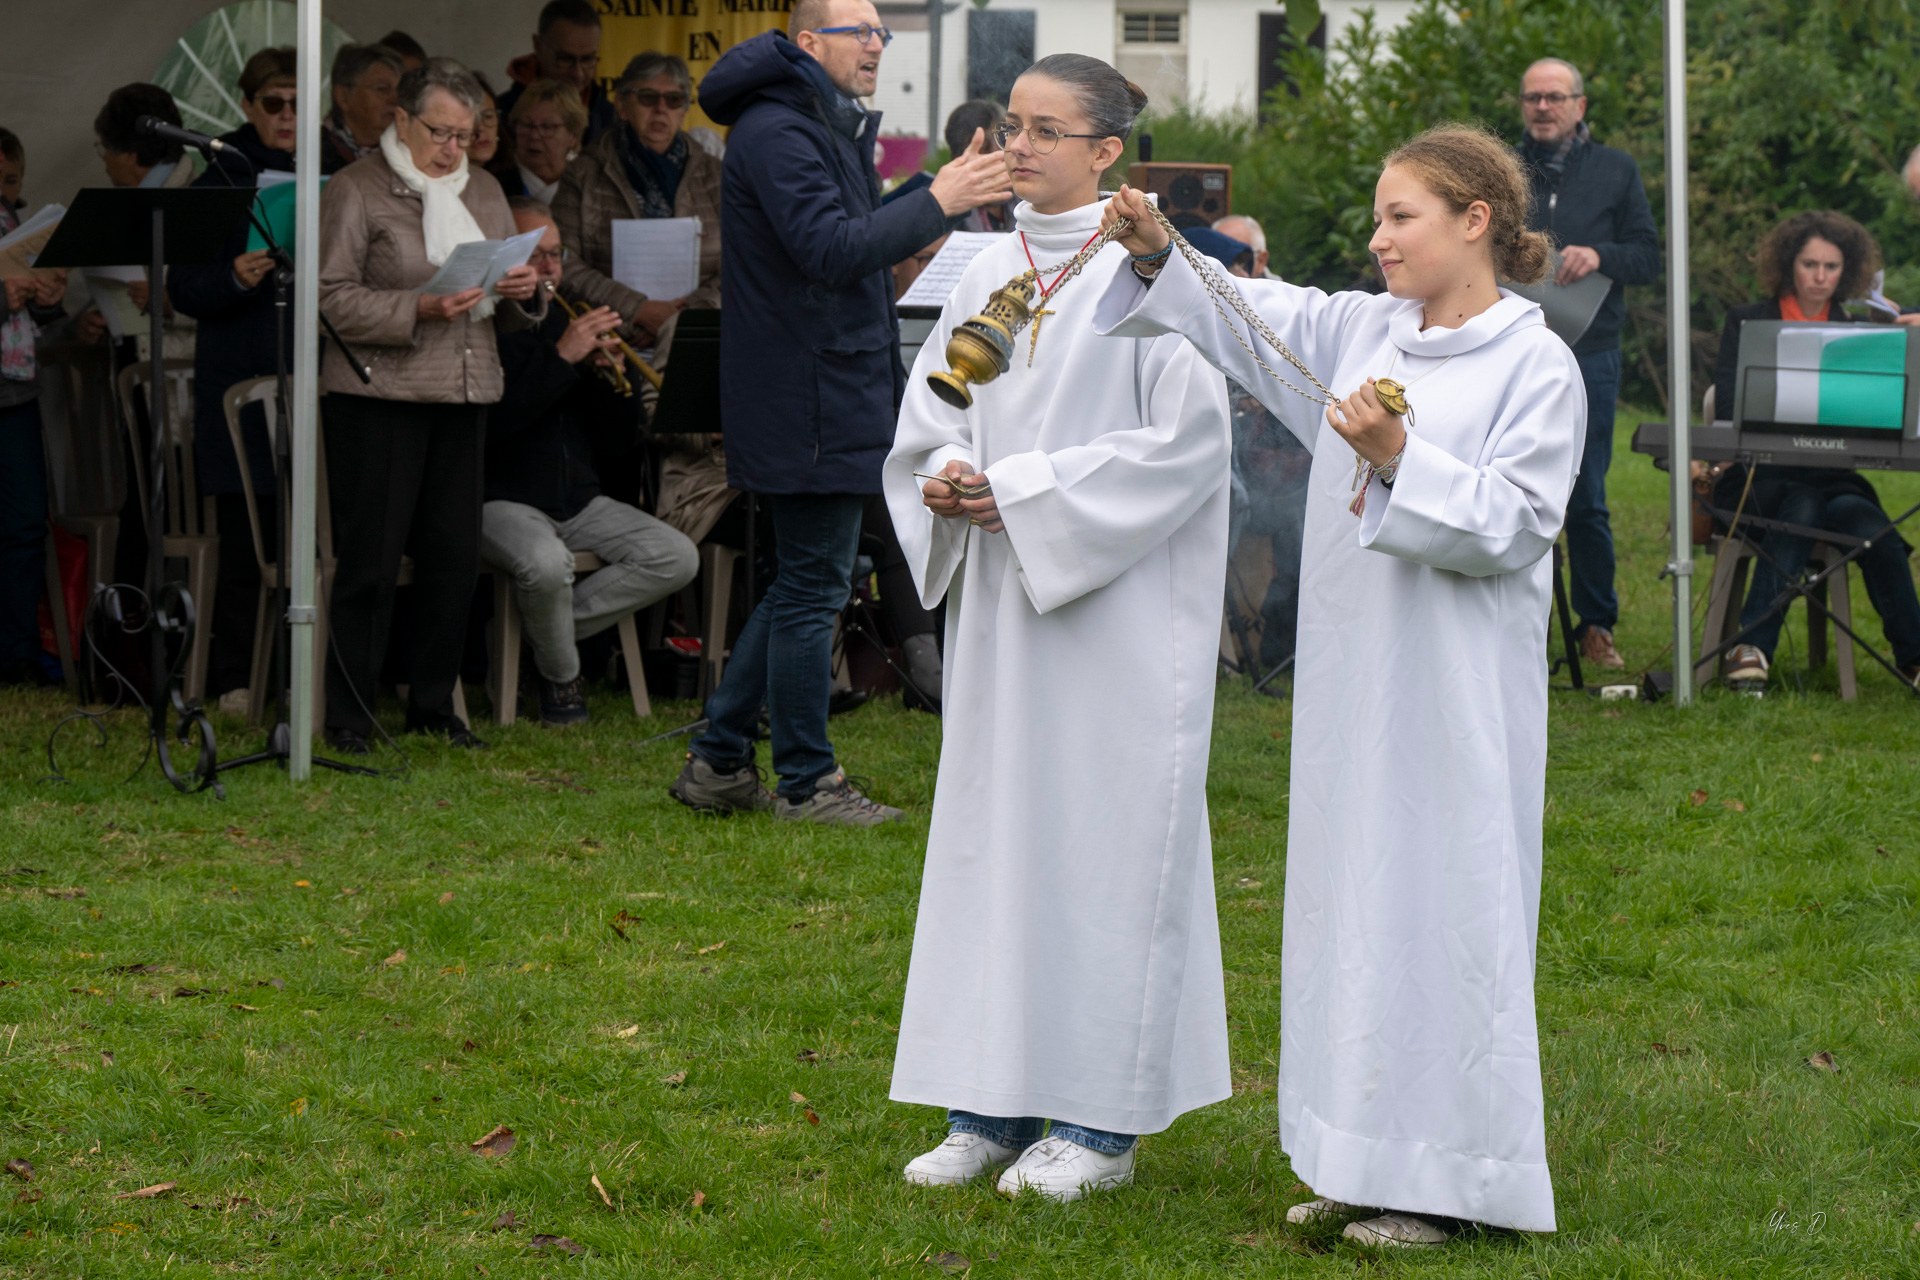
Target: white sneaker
(1746, 667)
(1395, 1231)
(1063, 1170)
(959, 1160)
(1322, 1211)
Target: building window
(1150, 28)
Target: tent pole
(1679, 352)
(301, 556)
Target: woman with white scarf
(405, 453)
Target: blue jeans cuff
(1107, 1144)
(1016, 1132)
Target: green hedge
(1793, 104)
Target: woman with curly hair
(1809, 265)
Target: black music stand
(128, 227)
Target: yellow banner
(697, 30)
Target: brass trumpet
(615, 373)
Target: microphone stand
(279, 744)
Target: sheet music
(1569, 310)
(107, 287)
(479, 264)
(659, 257)
(935, 284)
(21, 246)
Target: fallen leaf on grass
(303, 884)
(145, 966)
(806, 1055)
(675, 1080)
(188, 993)
(298, 1106)
(106, 1057)
(398, 957)
(243, 1008)
(562, 1243)
(623, 918)
(446, 897)
(1737, 806)
(951, 1263)
(20, 1169)
(710, 950)
(1658, 1047)
(148, 1193)
(278, 984)
(605, 1199)
(1823, 1061)
(34, 1195)
(813, 1117)
(1698, 798)
(700, 1198)
(627, 1033)
(68, 894)
(505, 1222)
(798, 1097)
(496, 1142)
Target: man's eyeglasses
(1548, 99)
(441, 137)
(549, 257)
(575, 62)
(862, 34)
(1043, 137)
(673, 100)
(273, 104)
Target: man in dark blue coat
(1590, 200)
(810, 376)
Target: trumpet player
(543, 498)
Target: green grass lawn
(301, 1006)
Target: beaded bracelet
(1387, 473)
(1161, 256)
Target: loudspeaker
(1191, 195)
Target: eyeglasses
(549, 257)
(463, 138)
(862, 34)
(539, 130)
(674, 100)
(273, 104)
(1549, 99)
(488, 119)
(574, 62)
(1043, 137)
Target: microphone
(155, 127)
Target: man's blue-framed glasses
(862, 34)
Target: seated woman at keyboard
(1808, 265)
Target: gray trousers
(645, 561)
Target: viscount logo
(1819, 442)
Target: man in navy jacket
(1590, 199)
(810, 377)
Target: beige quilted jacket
(373, 262)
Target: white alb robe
(1409, 1061)
(1066, 959)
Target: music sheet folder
(113, 226)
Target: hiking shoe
(1324, 1211)
(959, 1160)
(1596, 647)
(563, 702)
(1395, 1231)
(1063, 1170)
(348, 742)
(459, 735)
(836, 802)
(1746, 668)
(702, 787)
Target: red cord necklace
(1046, 290)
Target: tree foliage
(1792, 105)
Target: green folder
(274, 206)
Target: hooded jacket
(810, 346)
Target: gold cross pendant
(1033, 345)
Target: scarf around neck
(655, 178)
(17, 330)
(445, 220)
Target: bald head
(1248, 232)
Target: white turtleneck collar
(1511, 312)
(1075, 224)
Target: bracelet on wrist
(1160, 256)
(1387, 471)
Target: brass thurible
(981, 348)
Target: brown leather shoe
(1596, 648)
